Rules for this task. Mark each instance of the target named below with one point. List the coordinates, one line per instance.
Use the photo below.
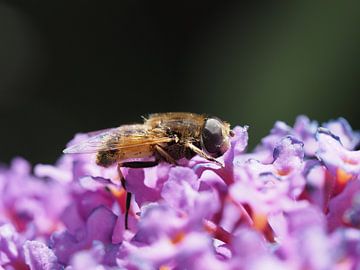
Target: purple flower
(306, 130)
(292, 203)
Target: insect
(166, 137)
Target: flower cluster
(291, 203)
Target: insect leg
(165, 155)
(131, 164)
(139, 164)
(202, 153)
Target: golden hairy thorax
(184, 125)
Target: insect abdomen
(106, 158)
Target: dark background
(72, 66)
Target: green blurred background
(72, 66)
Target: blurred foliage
(71, 66)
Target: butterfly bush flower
(291, 203)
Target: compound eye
(212, 137)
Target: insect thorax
(178, 151)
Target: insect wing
(127, 136)
(100, 142)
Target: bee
(165, 137)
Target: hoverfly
(166, 137)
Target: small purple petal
(180, 191)
(343, 130)
(335, 156)
(288, 155)
(9, 244)
(64, 246)
(279, 131)
(118, 232)
(238, 145)
(100, 225)
(155, 255)
(211, 179)
(305, 130)
(135, 183)
(52, 172)
(304, 218)
(158, 221)
(87, 201)
(341, 203)
(314, 190)
(248, 243)
(94, 183)
(197, 252)
(20, 166)
(39, 257)
(73, 221)
(205, 205)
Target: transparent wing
(118, 138)
(95, 143)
